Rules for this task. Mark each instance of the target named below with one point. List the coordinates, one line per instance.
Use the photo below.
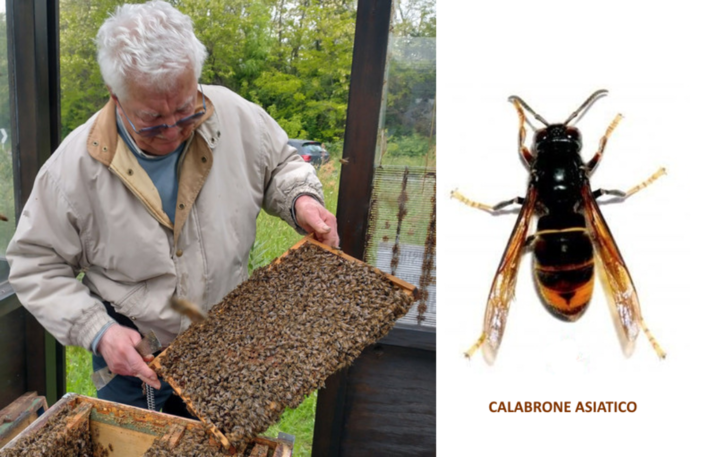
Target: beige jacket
(94, 209)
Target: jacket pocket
(133, 303)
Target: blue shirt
(163, 170)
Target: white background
(554, 55)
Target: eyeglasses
(150, 132)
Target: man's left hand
(314, 218)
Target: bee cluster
(55, 440)
(194, 442)
(278, 336)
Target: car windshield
(313, 148)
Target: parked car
(311, 151)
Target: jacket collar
(106, 146)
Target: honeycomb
(277, 337)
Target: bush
(409, 146)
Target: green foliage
(293, 126)
(82, 89)
(7, 198)
(236, 35)
(291, 57)
(4, 82)
(415, 18)
(414, 145)
(412, 88)
(410, 105)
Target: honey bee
(571, 232)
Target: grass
(79, 366)
(300, 423)
(427, 160)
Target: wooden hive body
(121, 430)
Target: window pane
(7, 199)
(402, 225)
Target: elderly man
(155, 195)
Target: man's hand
(315, 218)
(117, 348)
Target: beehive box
(84, 426)
(278, 336)
(19, 415)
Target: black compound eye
(541, 135)
(573, 134)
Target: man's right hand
(117, 347)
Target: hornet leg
(656, 347)
(490, 209)
(526, 154)
(622, 194)
(603, 142)
(473, 349)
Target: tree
(411, 94)
(415, 18)
(293, 57)
(82, 90)
(314, 46)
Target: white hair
(152, 43)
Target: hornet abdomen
(564, 264)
